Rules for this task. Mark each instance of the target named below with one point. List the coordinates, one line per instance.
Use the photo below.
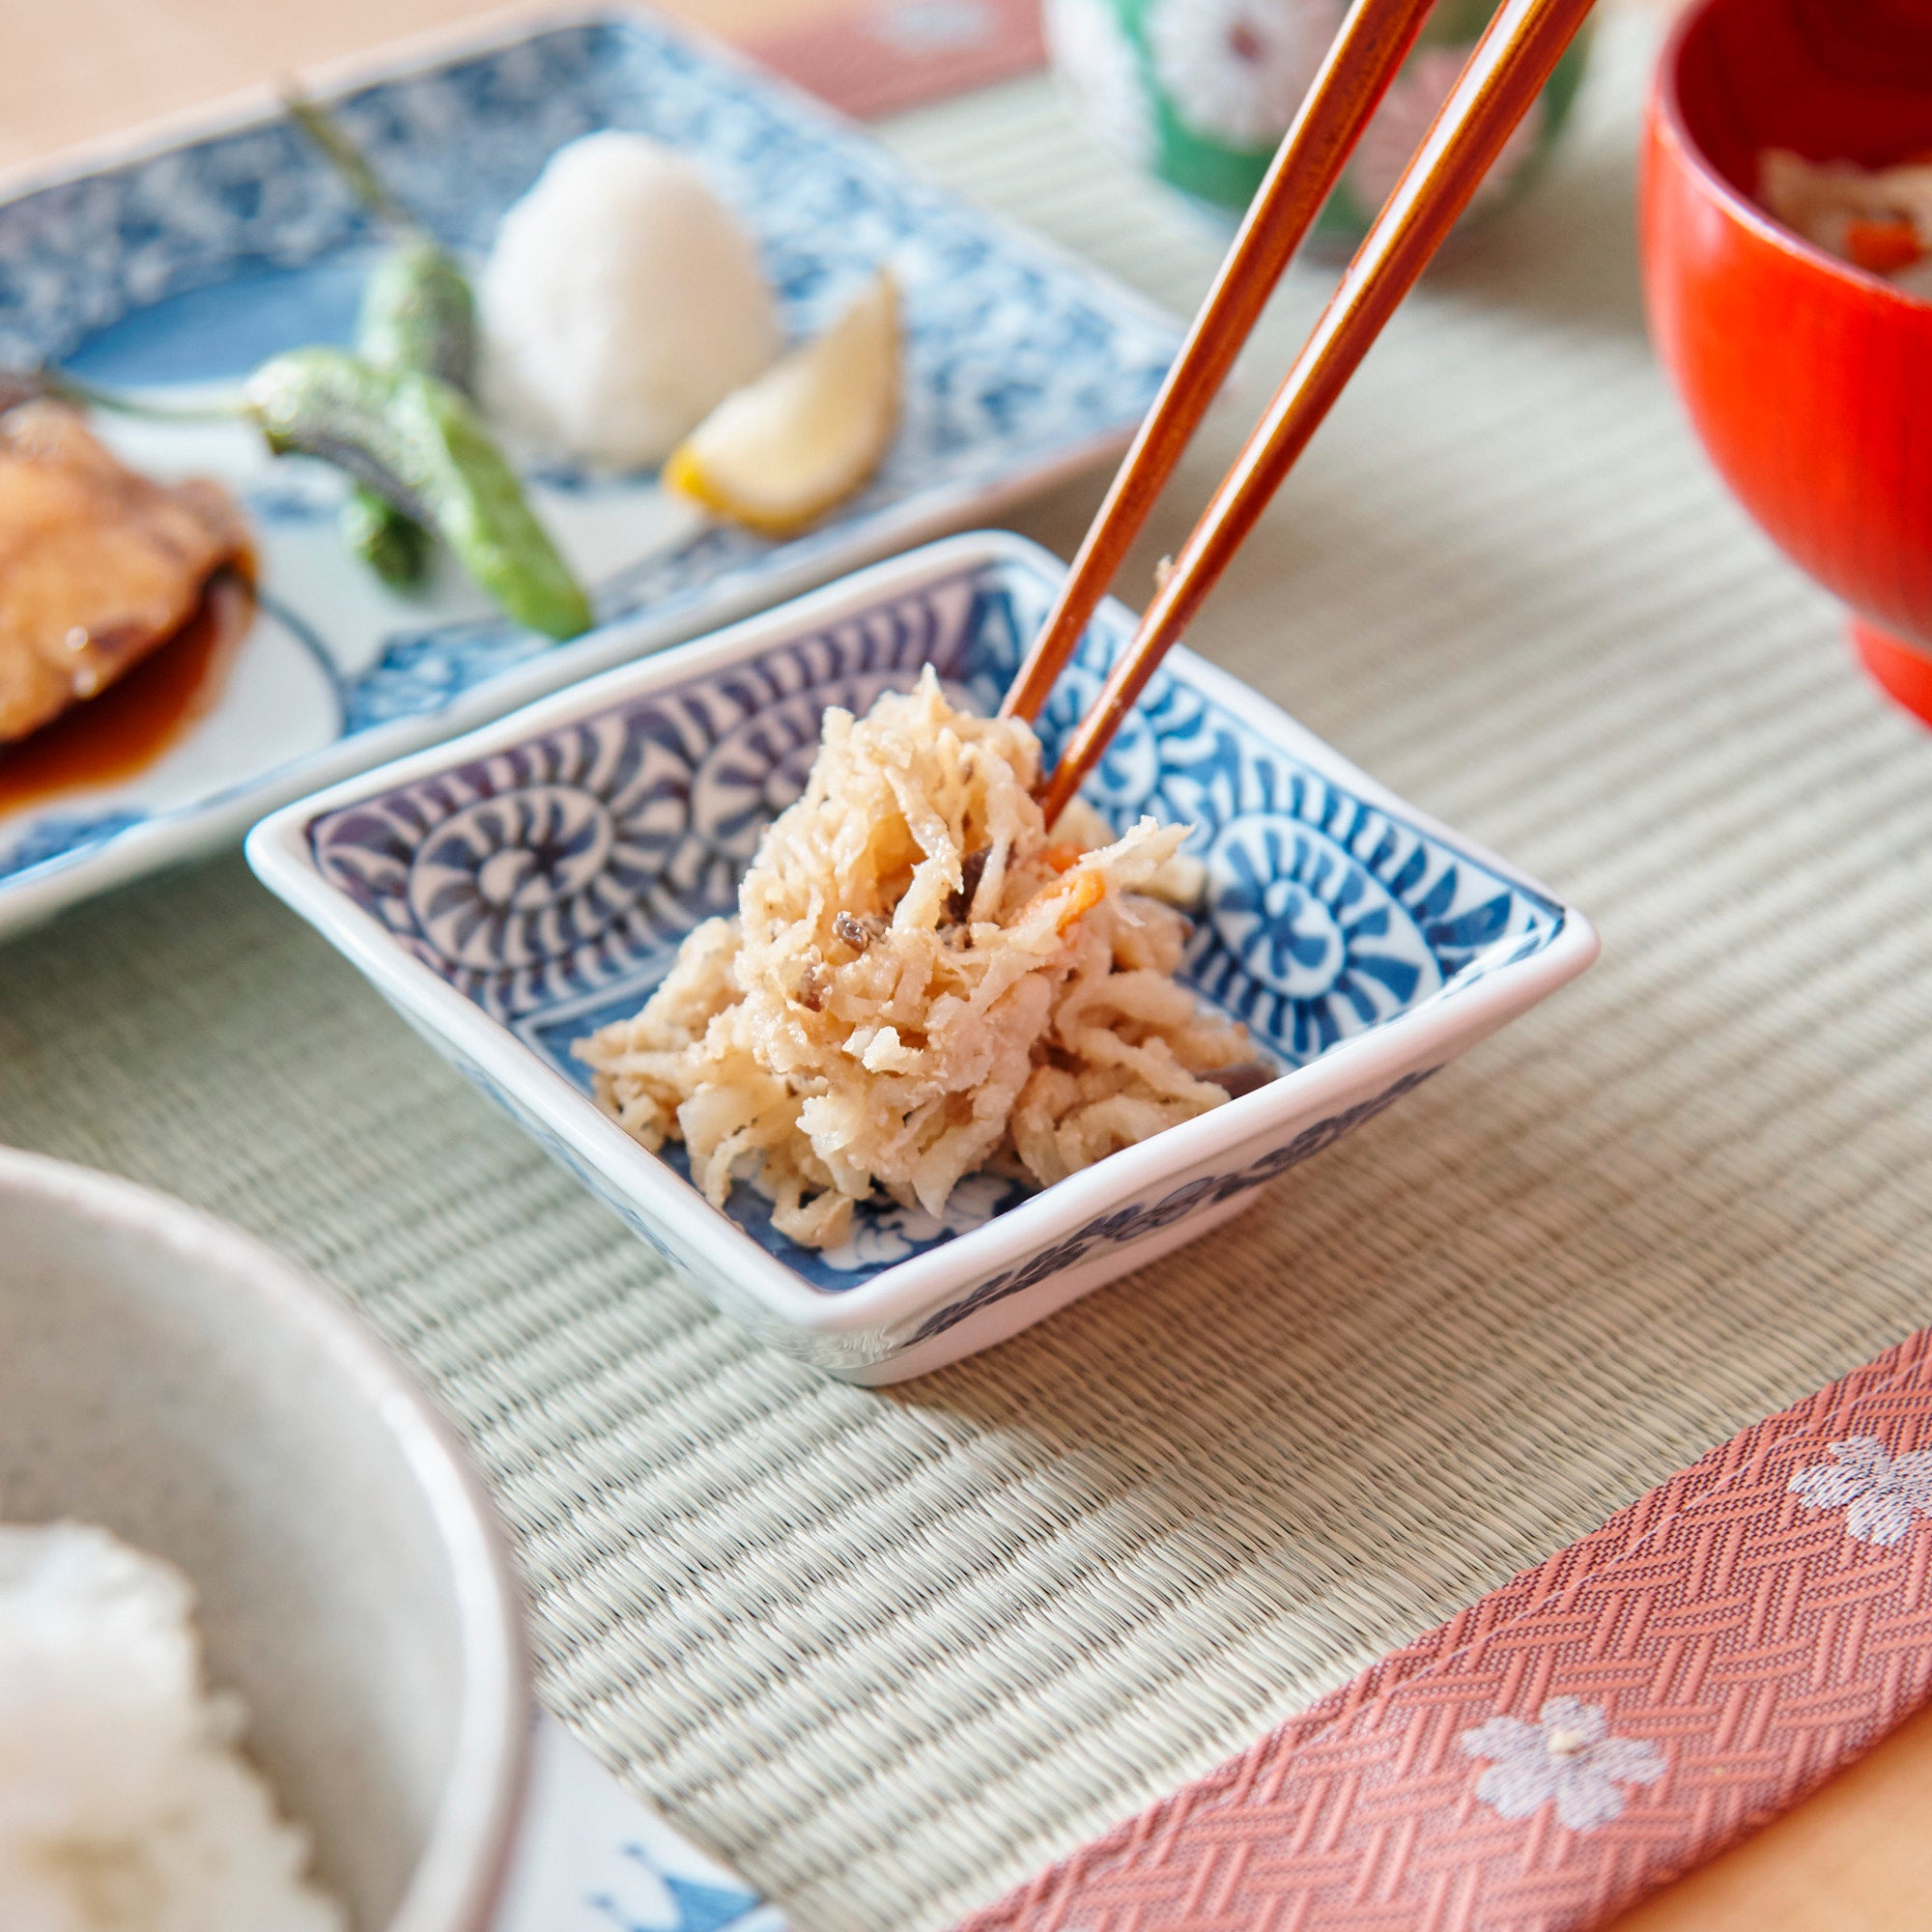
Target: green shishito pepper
(417, 443)
(418, 313)
(390, 541)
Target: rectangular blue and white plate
(177, 264)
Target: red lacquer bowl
(1810, 380)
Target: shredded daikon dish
(923, 980)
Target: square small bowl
(515, 889)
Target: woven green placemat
(887, 1652)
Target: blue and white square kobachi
(551, 882)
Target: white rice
(125, 1804)
(623, 300)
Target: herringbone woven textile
(1748, 1627)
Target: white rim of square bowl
(1423, 1038)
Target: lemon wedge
(783, 449)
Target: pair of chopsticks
(1504, 74)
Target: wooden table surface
(1859, 1857)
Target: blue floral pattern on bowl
(184, 266)
(552, 881)
(512, 892)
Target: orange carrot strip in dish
(1883, 246)
(1082, 892)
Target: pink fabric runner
(875, 57)
(1598, 1726)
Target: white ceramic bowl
(513, 889)
(169, 1378)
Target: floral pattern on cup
(1200, 92)
(1099, 68)
(1235, 70)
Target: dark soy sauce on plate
(138, 717)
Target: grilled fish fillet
(99, 565)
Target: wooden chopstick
(1373, 41)
(1504, 74)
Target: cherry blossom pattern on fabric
(1883, 1495)
(1567, 1757)
(1237, 70)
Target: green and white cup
(1199, 93)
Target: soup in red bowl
(1809, 379)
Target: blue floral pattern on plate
(551, 882)
(188, 265)
(591, 1858)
